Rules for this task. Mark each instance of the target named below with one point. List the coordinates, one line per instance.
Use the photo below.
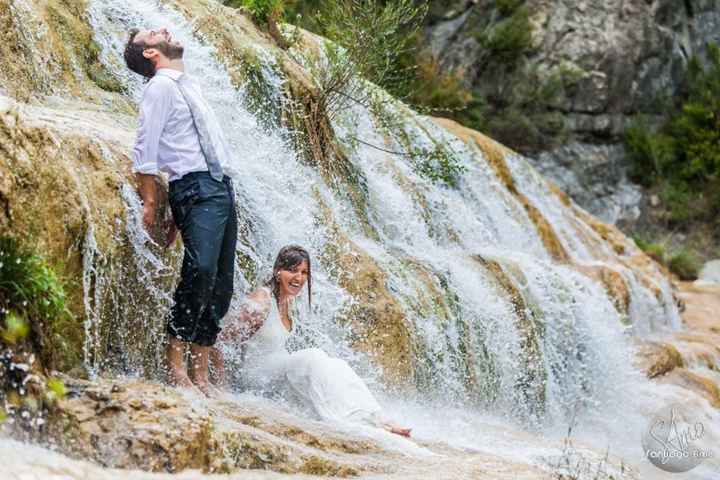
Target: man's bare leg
(175, 363)
(199, 368)
(219, 377)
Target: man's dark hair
(134, 58)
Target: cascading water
(436, 227)
(496, 326)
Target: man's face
(161, 40)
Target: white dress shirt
(167, 140)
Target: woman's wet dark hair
(289, 257)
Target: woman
(328, 384)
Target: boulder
(710, 272)
(658, 358)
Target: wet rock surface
(139, 425)
(134, 425)
(689, 358)
(595, 176)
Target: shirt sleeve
(154, 113)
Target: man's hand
(149, 217)
(172, 232)
(148, 193)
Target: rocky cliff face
(616, 58)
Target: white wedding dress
(326, 384)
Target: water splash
(495, 325)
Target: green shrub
(649, 152)
(682, 156)
(656, 251)
(519, 115)
(685, 264)
(438, 88)
(697, 125)
(681, 202)
(261, 10)
(16, 328)
(377, 37)
(28, 285)
(32, 294)
(509, 39)
(56, 389)
(439, 165)
(508, 7)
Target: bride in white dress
(264, 325)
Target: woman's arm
(250, 317)
(252, 314)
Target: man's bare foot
(397, 430)
(208, 389)
(177, 374)
(179, 378)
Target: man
(179, 135)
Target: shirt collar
(169, 72)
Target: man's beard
(172, 52)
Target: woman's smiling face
(291, 281)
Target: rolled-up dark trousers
(204, 212)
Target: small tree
(368, 39)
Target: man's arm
(154, 113)
(148, 193)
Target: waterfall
(478, 279)
(493, 320)
(462, 287)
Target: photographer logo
(673, 440)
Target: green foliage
(375, 36)
(682, 155)
(302, 12)
(650, 153)
(510, 38)
(518, 115)
(438, 164)
(508, 7)
(27, 283)
(261, 10)
(16, 328)
(396, 41)
(431, 86)
(436, 88)
(56, 389)
(681, 202)
(697, 126)
(656, 251)
(33, 297)
(685, 264)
